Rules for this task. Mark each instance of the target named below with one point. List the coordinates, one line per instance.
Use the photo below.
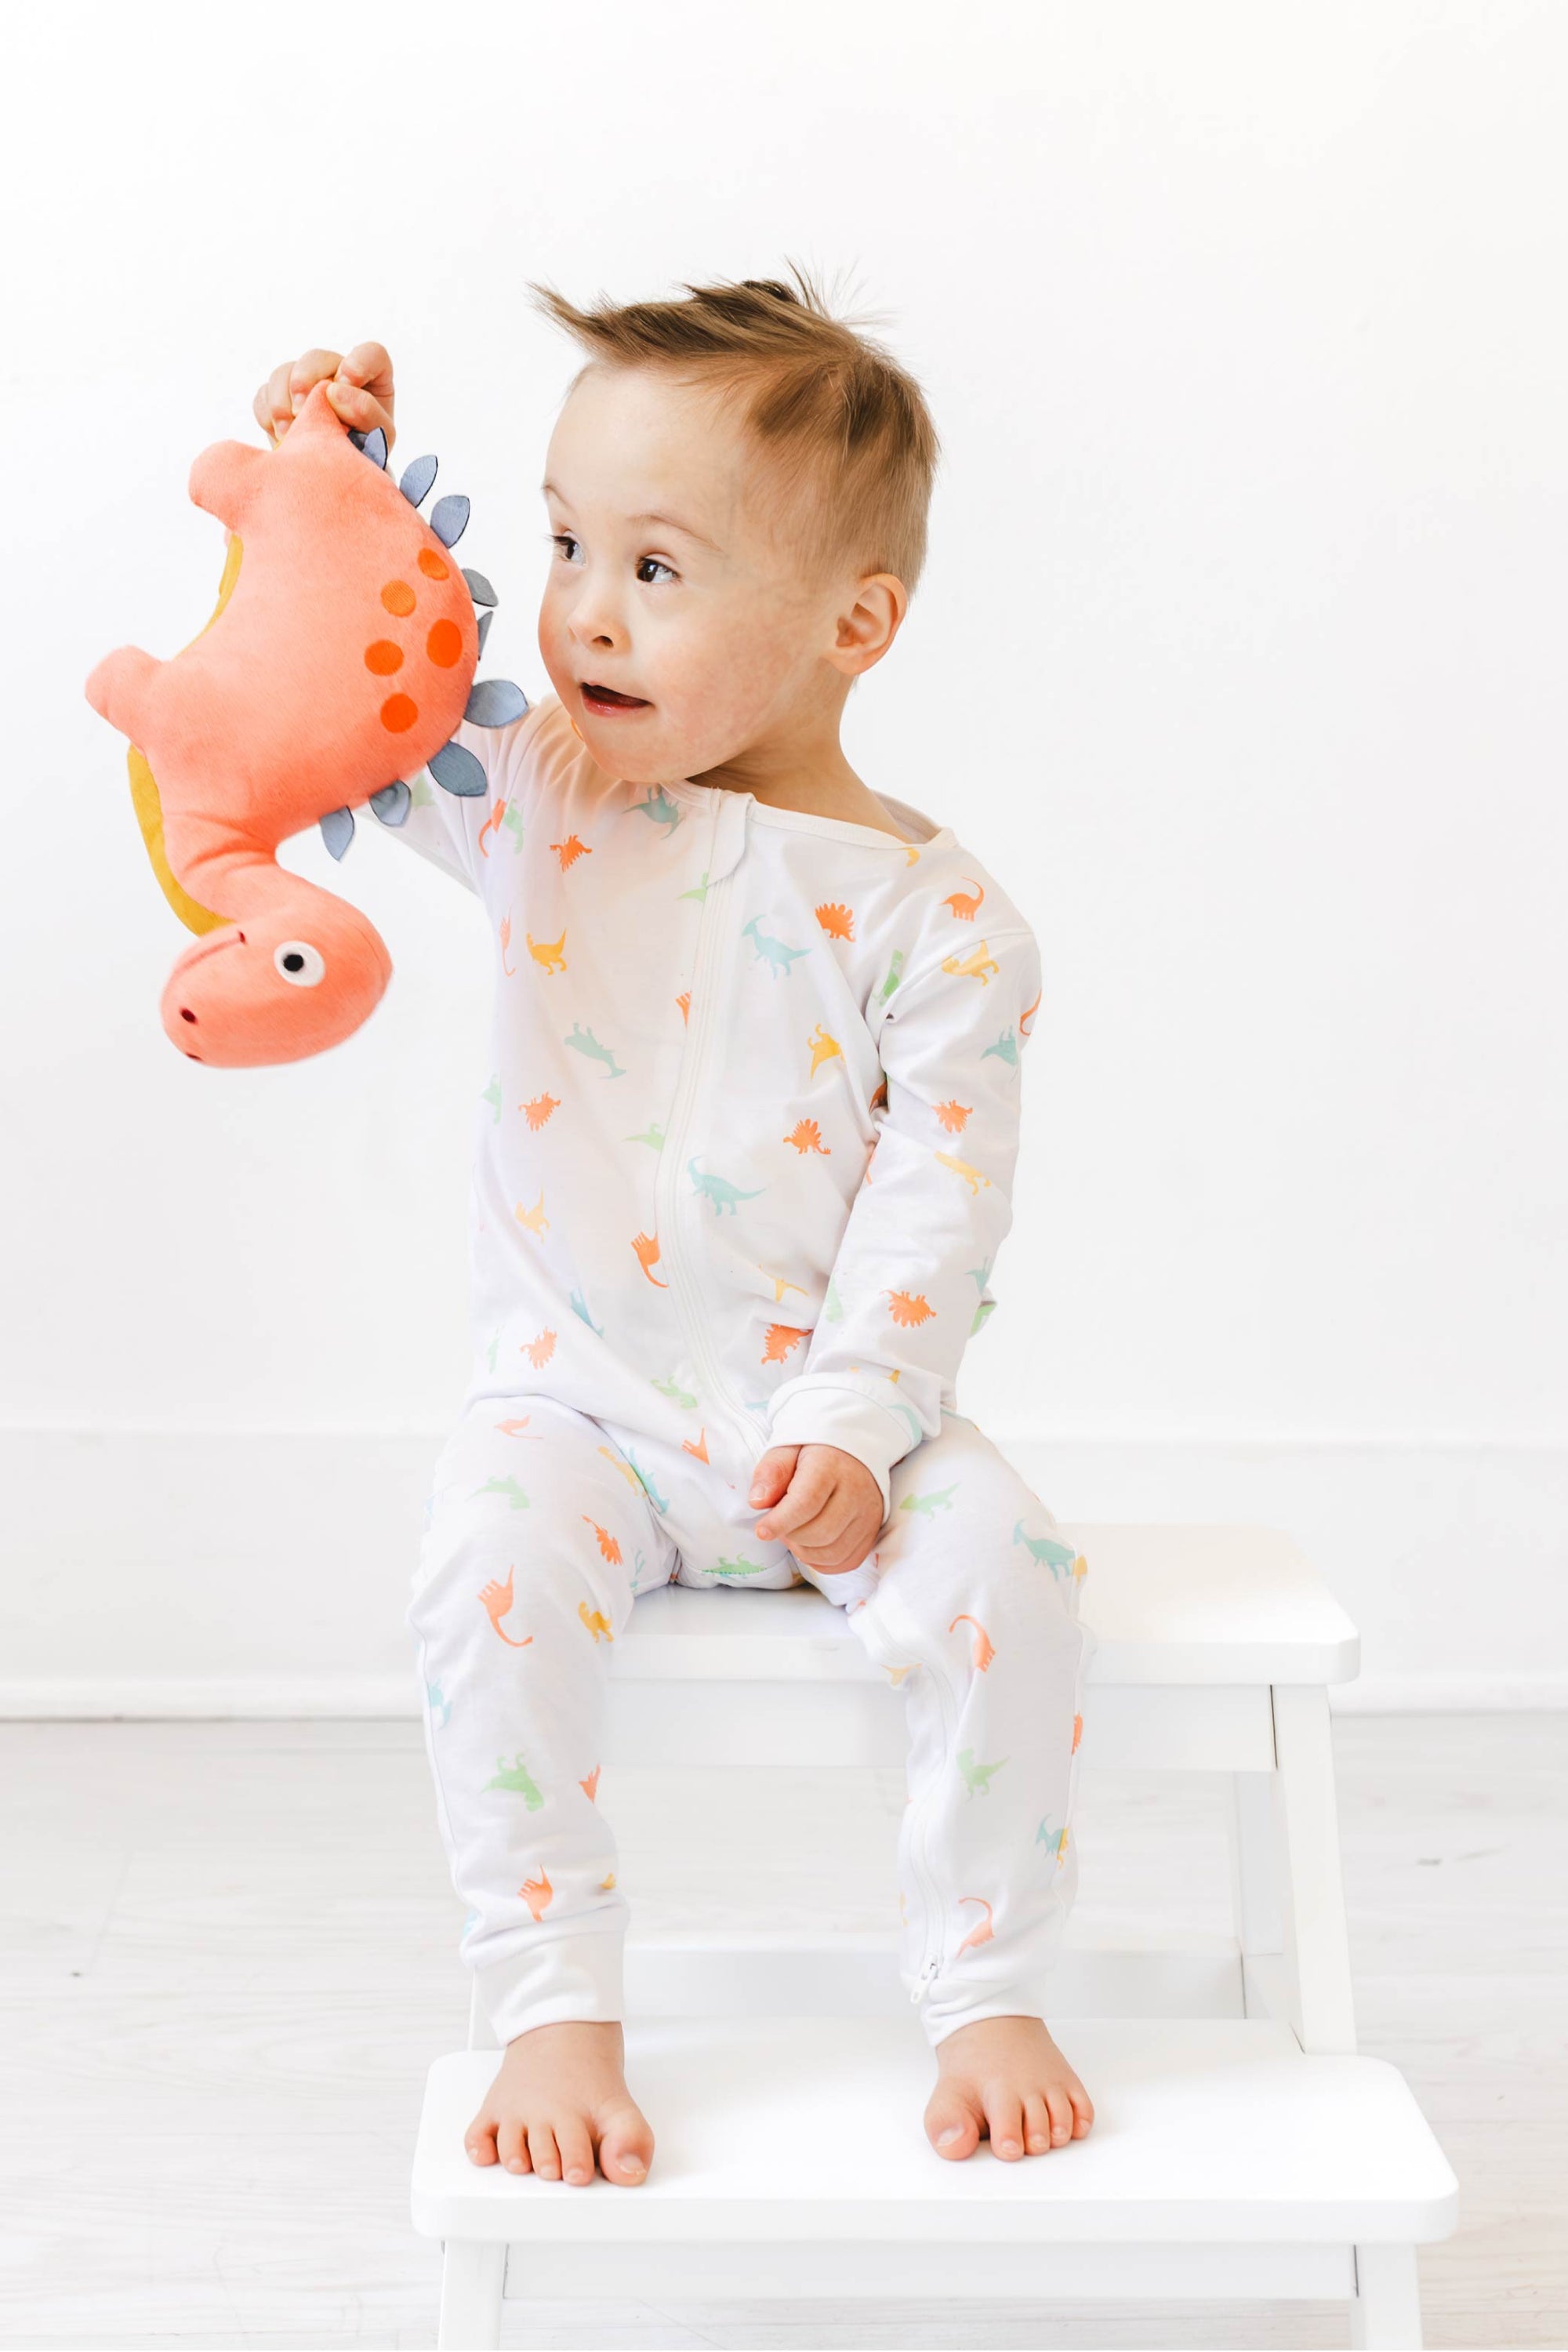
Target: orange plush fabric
(339, 659)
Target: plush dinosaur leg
(226, 478)
(120, 689)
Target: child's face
(703, 616)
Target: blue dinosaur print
(658, 808)
(586, 1042)
(1005, 1049)
(660, 1502)
(719, 1190)
(579, 1305)
(1046, 1550)
(433, 1692)
(773, 953)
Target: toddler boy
(742, 1172)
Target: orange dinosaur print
(984, 1648)
(517, 1428)
(647, 1249)
(956, 1116)
(839, 922)
(982, 1933)
(880, 1099)
(605, 1884)
(697, 1445)
(497, 1601)
(503, 933)
(570, 850)
(965, 908)
(781, 1339)
(1077, 1734)
(542, 1108)
(1024, 1018)
(590, 1787)
(607, 1544)
(806, 1136)
(538, 1351)
(596, 1620)
(548, 954)
(684, 1000)
(910, 1310)
(533, 1221)
(536, 1892)
(492, 823)
(823, 1048)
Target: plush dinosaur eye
(297, 962)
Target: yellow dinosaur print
(971, 1176)
(596, 1620)
(781, 1285)
(628, 1472)
(497, 1602)
(964, 907)
(647, 1248)
(978, 964)
(605, 1884)
(608, 1547)
(909, 1310)
(984, 1648)
(590, 1787)
(823, 1048)
(549, 954)
(979, 1935)
(536, 1892)
(896, 1674)
(533, 1221)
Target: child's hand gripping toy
(339, 659)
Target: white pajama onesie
(742, 1169)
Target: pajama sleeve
(909, 1281)
(450, 829)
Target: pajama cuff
(805, 1412)
(554, 1981)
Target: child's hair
(850, 441)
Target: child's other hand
(821, 1501)
(361, 390)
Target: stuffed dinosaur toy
(338, 660)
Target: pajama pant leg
(536, 1541)
(971, 1605)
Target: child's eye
(562, 539)
(658, 567)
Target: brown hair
(846, 430)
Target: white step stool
(1240, 2148)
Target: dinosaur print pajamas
(741, 1173)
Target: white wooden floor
(228, 1954)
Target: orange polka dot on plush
(445, 644)
(398, 597)
(434, 566)
(398, 713)
(383, 657)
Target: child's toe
(1060, 2106)
(1005, 2121)
(576, 2150)
(952, 2122)
(1082, 2109)
(512, 2146)
(625, 2147)
(543, 2149)
(479, 2140)
(1037, 2123)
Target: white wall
(1239, 655)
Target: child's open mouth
(604, 699)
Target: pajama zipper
(672, 1159)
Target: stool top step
(777, 2128)
(1185, 1604)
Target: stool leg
(472, 2279)
(1314, 1889)
(1385, 2315)
(1252, 1822)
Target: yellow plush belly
(144, 784)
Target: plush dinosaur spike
(417, 476)
(485, 620)
(449, 518)
(479, 588)
(495, 702)
(343, 641)
(374, 447)
(455, 770)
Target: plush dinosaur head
(339, 660)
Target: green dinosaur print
(895, 973)
(419, 793)
(579, 1306)
(512, 819)
(916, 1431)
(515, 1775)
(492, 1093)
(676, 1393)
(584, 1042)
(699, 890)
(719, 1190)
(509, 1488)
(930, 1505)
(653, 1134)
(1005, 1049)
(987, 1309)
(831, 1308)
(491, 1353)
(658, 808)
(741, 1567)
(773, 953)
(977, 1777)
(659, 1502)
(1044, 1550)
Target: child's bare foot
(1004, 2077)
(561, 2098)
